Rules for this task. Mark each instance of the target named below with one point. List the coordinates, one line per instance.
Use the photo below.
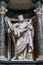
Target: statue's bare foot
(14, 58)
(20, 58)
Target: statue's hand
(8, 23)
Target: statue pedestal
(40, 57)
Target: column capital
(38, 11)
(3, 10)
(3, 7)
(6, 1)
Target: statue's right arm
(8, 23)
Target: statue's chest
(22, 25)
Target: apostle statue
(23, 33)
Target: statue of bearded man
(22, 38)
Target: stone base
(23, 60)
(40, 57)
(3, 58)
(20, 59)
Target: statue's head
(20, 18)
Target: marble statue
(23, 33)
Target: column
(3, 10)
(39, 17)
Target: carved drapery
(23, 37)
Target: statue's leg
(30, 48)
(24, 55)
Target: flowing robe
(22, 38)
(24, 33)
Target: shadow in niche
(11, 13)
(12, 48)
(36, 45)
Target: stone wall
(20, 4)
